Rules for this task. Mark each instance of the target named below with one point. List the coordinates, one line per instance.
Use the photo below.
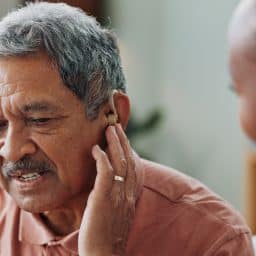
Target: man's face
(45, 132)
(243, 71)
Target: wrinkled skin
(45, 132)
(43, 122)
(111, 205)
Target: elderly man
(63, 108)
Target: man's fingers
(123, 141)
(116, 153)
(117, 161)
(131, 181)
(104, 178)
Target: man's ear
(119, 109)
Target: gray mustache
(26, 164)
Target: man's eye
(38, 121)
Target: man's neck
(65, 220)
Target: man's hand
(111, 205)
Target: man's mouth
(26, 175)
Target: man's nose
(15, 145)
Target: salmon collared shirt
(175, 215)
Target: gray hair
(86, 55)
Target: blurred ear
(119, 108)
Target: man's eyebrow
(39, 106)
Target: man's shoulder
(172, 184)
(177, 211)
(180, 189)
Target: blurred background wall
(175, 57)
(8, 5)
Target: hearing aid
(112, 118)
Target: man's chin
(35, 204)
(33, 207)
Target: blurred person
(242, 63)
(70, 182)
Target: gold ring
(119, 178)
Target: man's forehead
(7, 90)
(16, 86)
(31, 68)
(32, 75)
(33, 84)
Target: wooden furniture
(250, 190)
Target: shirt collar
(32, 230)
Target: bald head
(242, 30)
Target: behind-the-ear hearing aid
(112, 118)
